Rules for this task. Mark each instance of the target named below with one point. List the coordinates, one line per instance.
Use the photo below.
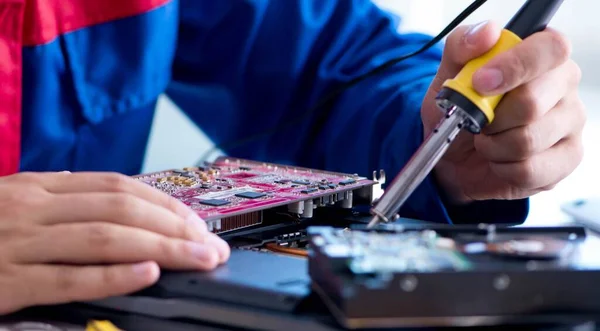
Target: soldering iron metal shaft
(418, 167)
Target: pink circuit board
(230, 193)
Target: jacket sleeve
(254, 69)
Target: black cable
(375, 71)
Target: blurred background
(577, 19)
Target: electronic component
(347, 182)
(231, 194)
(439, 275)
(214, 202)
(309, 190)
(250, 195)
(301, 182)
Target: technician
(79, 81)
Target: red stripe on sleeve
(47, 19)
(11, 18)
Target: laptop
(585, 212)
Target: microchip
(214, 202)
(309, 190)
(282, 181)
(332, 186)
(179, 172)
(245, 168)
(301, 182)
(250, 195)
(187, 174)
(323, 187)
(347, 182)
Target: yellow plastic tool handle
(463, 82)
(101, 326)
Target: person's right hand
(68, 237)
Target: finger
(124, 209)
(467, 43)
(102, 243)
(523, 142)
(221, 246)
(463, 45)
(84, 182)
(56, 284)
(530, 102)
(530, 59)
(545, 169)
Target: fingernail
(222, 247)
(487, 80)
(145, 269)
(471, 34)
(203, 252)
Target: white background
(175, 142)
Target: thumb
(464, 44)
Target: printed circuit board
(232, 193)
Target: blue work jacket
(79, 82)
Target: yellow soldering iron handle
(458, 94)
(101, 326)
(463, 82)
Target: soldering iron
(463, 107)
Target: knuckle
(100, 235)
(524, 174)
(166, 249)
(185, 230)
(126, 206)
(65, 279)
(561, 46)
(117, 182)
(530, 107)
(29, 178)
(16, 197)
(173, 204)
(18, 202)
(195, 230)
(513, 70)
(109, 276)
(527, 141)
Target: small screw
(501, 283)
(409, 283)
(531, 265)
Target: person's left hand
(535, 141)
